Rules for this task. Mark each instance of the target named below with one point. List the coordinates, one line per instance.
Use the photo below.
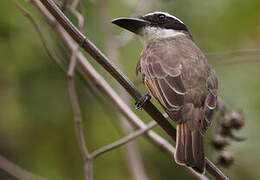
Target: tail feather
(190, 148)
(180, 149)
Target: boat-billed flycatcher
(177, 74)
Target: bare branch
(74, 100)
(233, 54)
(134, 160)
(17, 171)
(123, 141)
(235, 57)
(43, 40)
(73, 9)
(79, 130)
(236, 61)
(107, 91)
(73, 62)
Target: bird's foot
(139, 104)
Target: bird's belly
(196, 96)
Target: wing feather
(211, 100)
(172, 97)
(165, 84)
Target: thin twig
(73, 62)
(123, 141)
(73, 9)
(119, 76)
(79, 130)
(233, 54)
(17, 171)
(43, 40)
(228, 58)
(74, 100)
(236, 61)
(106, 90)
(78, 119)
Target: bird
(178, 75)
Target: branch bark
(122, 141)
(87, 160)
(79, 130)
(17, 171)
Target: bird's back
(182, 53)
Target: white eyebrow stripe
(165, 13)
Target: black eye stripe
(164, 21)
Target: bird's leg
(139, 104)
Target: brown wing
(164, 83)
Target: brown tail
(189, 147)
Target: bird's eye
(162, 17)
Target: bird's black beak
(131, 24)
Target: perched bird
(177, 74)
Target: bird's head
(153, 25)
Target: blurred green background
(36, 121)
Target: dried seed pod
(224, 159)
(224, 130)
(237, 120)
(219, 142)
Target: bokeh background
(36, 121)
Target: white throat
(148, 33)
